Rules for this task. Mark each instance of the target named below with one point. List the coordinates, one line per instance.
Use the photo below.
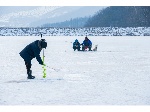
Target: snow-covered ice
(117, 74)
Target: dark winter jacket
(31, 51)
(87, 43)
(76, 43)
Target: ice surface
(117, 74)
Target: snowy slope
(67, 13)
(117, 74)
(37, 16)
(24, 18)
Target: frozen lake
(117, 74)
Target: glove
(44, 64)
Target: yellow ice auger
(44, 66)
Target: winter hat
(43, 44)
(86, 38)
(76, 40)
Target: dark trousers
(28, 66)
(78, 48)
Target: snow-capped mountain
(17, 16)
(23, 18)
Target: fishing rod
(53, 68)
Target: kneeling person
(86, 44)
(76, 45)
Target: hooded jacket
(87, 43)
(31, 51)
(76, 43)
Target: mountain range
(36, 16)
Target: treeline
(77, 22)
(121, 16)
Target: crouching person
(76, 45)
(86, 44)
(31, 51)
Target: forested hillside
(121, 16)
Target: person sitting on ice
(76, 45)
(86, 44)
(31, 51)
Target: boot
(90, 49)
(30, 75)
